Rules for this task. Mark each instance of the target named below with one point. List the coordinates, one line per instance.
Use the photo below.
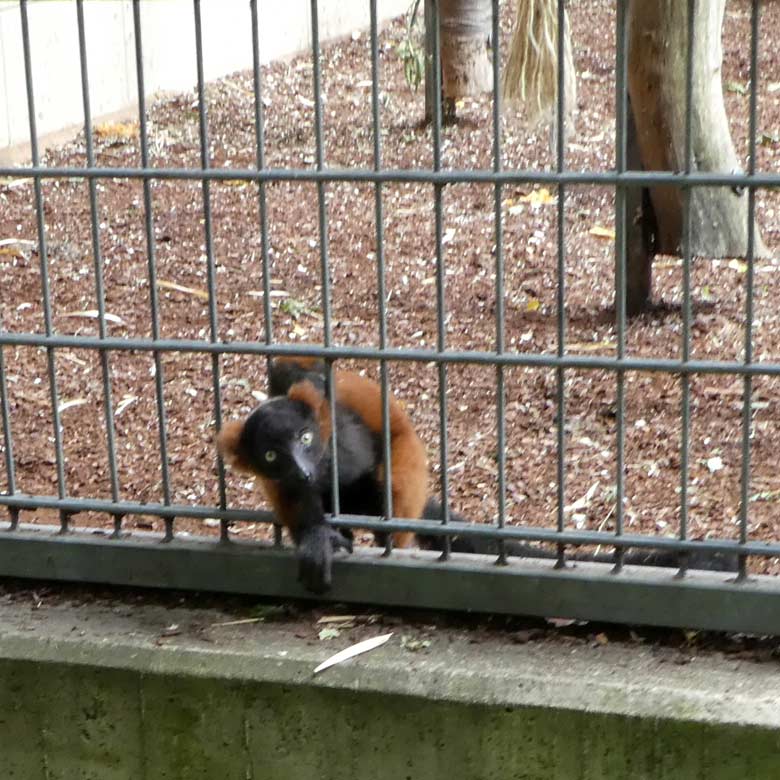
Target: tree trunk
(466, 67)
(657, 43)
(641, 230)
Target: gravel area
(652, 445)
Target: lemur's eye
(270, 456)
(307, 437)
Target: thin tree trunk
(657, 55)
(466, 68)
(641, 230)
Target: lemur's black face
(281, 441)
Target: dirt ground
(653, 401)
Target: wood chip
(17, 242)
(65, 405)
(9, 183)
(352, 651)
(73, 359)
(242, 622)
(202, 294)
(126, 402)
(326, 619)
(602, 232)
(271, 294)
(92, 314)
(124, 130)
(590, 346)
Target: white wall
(168, 35)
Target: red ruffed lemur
(286, 443)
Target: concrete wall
(100, 688)
(168, 34)
(113, 724)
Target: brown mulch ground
(653, 400)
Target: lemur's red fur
(409, 464)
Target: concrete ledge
(98, 691)
(587, 591)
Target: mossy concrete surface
(91, 691)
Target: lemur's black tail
(706, 560)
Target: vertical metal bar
(430, 96)
(441, 341)
(500, 309)
(261, 185)
(44, 262)
(748, 357)
(100, 291)
(154, 303)
(380, 272)
(561, 293)
(8, 443)
(324, 261)
(685, 443)
(620, 272)
(262, 202)
(210, 264)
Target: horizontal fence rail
(640, 594)
(558, 583)
(401, 176)
(476, 357)
(428, 528)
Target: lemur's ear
(306, 392)
(229, 444)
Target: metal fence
(604, 591)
